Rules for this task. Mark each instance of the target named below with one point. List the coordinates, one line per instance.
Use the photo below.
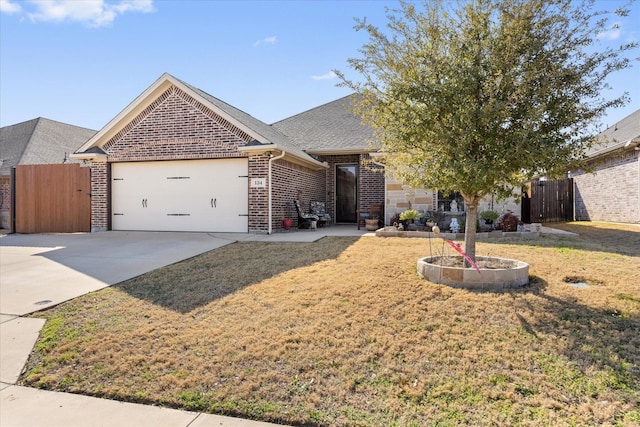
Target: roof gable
(258, 132)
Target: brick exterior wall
(5, 202)
(177, 127)
(370, 180)
(100, 201)
(291, 182)
(611, 192)
(258, 197)
(174, 127)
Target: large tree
(479, 97)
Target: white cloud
(266, 40)
(328, 76)
(612, 33)
(7, 6)
(94, 13)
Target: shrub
(409, 214)
(489, 215)
(508, 221)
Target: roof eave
(141, 103)
(625, 145)
(341, 151)
(301, 159)
(92, 157)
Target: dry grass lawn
(344, 332)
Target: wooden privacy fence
(552, 201)
(52, 198)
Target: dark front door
(346, 191)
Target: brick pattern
(370, 180)
(175, 127)
(5, 192)
(5, 202)
(100, 203)
(331, 177)
(178, 127)
(611, 192)
(176, 115)
(290, 182)
(258, 197)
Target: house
(179, 159)
(37, 141)
(609, 190)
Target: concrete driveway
(42, 270)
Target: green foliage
(50, 334)
(480, 98)
(489, 215)
(409, 214)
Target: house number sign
(258, 182)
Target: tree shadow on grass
(599, 355)
(590, 237)
(195, 282)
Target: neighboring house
(610, 191)
(37, 141)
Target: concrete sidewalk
(42, 270)
(28, 407)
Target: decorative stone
(500, 273)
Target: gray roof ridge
(22, 123)
(65, 124)
(44, 141)
(235, 112)
(28, 148)
(32, 130)
(208, 95)
(312, 109)
(267, 131)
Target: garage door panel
(190, 195)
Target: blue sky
(82, 62)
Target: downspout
(270, 215)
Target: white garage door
(183, 195)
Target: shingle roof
(39, 141)
(625, 131)
(332, 127)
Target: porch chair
(304, 219)
(319, 209)
(375, 210)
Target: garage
(180, 195)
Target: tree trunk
(470, 229)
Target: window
(445, 199)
